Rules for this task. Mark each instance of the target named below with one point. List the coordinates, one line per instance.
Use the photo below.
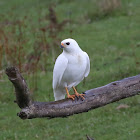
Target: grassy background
(112, 40)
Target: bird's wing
(88, 65)
(59, 68)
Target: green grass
(113, 45)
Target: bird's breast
(76, 60)
(75, 69)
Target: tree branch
(94, 98)
(23, 97)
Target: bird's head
(70, 45)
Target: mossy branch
(94, 98)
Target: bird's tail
(59, 95)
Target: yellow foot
(81, 95)
(71, 97)
(77, 94)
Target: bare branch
(94, 98)
(23, 97)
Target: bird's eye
(68, 43)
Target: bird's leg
(68, 95)
(77, 94)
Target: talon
(68, 95)
(81, 95)
(77, 94)
(71, 97)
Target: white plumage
(70, 68)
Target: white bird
(70, 68)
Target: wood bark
(94, 98)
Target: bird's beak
(62, 45)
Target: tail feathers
(59, 95)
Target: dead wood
(94, 98)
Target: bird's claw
(76, 95)
(81, 95)
(71, 97)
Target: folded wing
(59, 68)
(88, 65)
